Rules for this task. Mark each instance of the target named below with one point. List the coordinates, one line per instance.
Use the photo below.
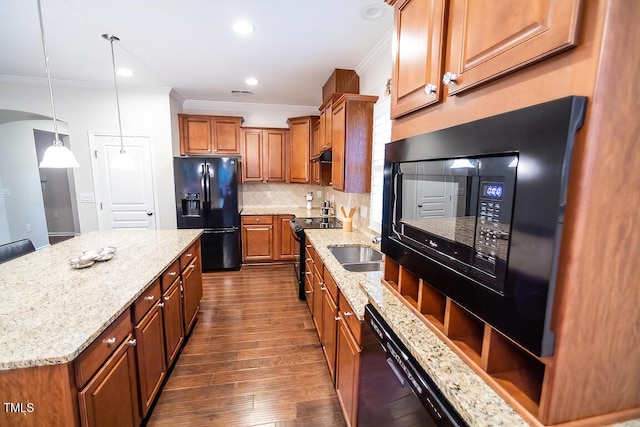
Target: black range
(298, 225)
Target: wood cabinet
(347, 366)
(209, 135)
(285, 249)
(257, 238)
(484, 41)
(352, 133)
(329, 322)
(417, 70)
(301, 131)
(191, 286)
(111, 397)
(264, 152)
(325, 125)
(172, 320)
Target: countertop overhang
(51, 312)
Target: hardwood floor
(254, 358)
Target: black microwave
(477, 211)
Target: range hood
(324, 157)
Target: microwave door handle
(395, 213)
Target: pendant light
(122, 160)
(57, 155)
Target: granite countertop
(51, 312)
(281, 210)
(476, 402)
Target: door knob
(149, 213)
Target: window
(381, 136)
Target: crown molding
(82, 85)
(381, 48)
(240, 107)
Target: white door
(124, 198)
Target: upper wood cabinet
(417, 70)
(326, 117)
(484, 40)
(301, 131)
(352, 133)
(209, 135)
(264, 153)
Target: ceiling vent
(241, 92)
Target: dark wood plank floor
(254, 358)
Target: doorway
(125, 199)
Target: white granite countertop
(474, 400)
(51, 312)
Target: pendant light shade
(57, 155)
(122, 160)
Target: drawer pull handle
(110, 341)
(347, 313)
(150, 298)
(132, 342)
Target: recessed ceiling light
(251, 81)
(243, 27)
(372, 11)
(125, 72)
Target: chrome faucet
(376, 239)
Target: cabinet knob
(337, 318)
(161, 304)
(430, 89)
(449, 78)
(189, 254)
(110, 341)
(193, 266)
(172, 273)
(167, 298)
(323, 288)
(307, 292)
(132, 342)
(150, 298)
(347, 313)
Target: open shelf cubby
(432, 304)
(464, 329)
(408, 284)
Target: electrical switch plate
(87, 198)
(28, 228)
(319, 193)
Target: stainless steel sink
(357, 258)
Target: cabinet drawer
(99, 351)
(170, 275)
(188, 255)
(331, 285)
(350, 317)
(145, 301)
(257, 219)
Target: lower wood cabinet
(191, 292)
(285, 244)
(111, 397)
(172, 321)
(347, 371)
(152, 367)
(329, 330)
(267, 238)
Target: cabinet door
(322, 133)
(329, 331)
(315, 172)
(347, 373)
(417, 70)
(257, 242)
(318, 291)
(338, 144)
(300, 131)
(495, 37)
(327, 142)
(275, 150)
(151, 358)
(111, 397)
(195, 135)
(226, 136)
(191, 293)
(172, 319)
(252, 155)
(285, 243)
(315, 138)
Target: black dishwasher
(394, 390)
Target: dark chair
(12, 250)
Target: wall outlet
(87, 198)
(28, 228)
(268, 194)
(319, 194)
(364, 211)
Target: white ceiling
(189, 45)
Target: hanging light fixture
(122, 160)
(57, 155)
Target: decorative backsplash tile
(257, 194)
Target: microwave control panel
(492, 236)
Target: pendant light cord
(111, 38)
(46, 61)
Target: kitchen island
(52, 313)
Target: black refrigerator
(208, 196)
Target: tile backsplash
(295, 195)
